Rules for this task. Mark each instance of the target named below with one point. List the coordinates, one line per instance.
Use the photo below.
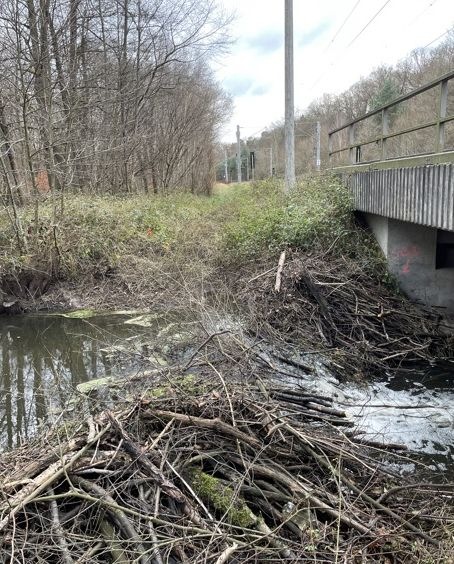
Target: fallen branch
(280, 266)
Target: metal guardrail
(354, 147)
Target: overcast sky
(329, 54)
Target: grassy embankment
(148, 248)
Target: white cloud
(254, 70)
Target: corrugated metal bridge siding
(422, 194)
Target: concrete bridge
(402, 181)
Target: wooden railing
(354, 147)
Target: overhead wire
(342, 26)
(416, 18)
(350, 44)
(437, 38)
(368, 23)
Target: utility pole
(317, 147)
(290, 179)
(226, 167)
(271, 160)
(238, 154)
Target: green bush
(97, 233)
(313, 216)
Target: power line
(416, 18)
(259, 131)
(437, 38)
(342, 26)
(368, 23)
(323, 73)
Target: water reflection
(43, 358)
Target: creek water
(411, 407)
(45, 358)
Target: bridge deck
(419, 194)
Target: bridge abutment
(419, 257)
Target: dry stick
(293, 362)
(25, 474)
(166, 485)
(324, 409)
(59, 533)
(261, 274)
(155, 553)
(227, 395)
(205, 342)
(132, 449)
(90, 553)
(111, 504)
(280, 266)
(298, 487)
(159, 437)
(429, 486)
(117, 514)
(299, 399)
(156, 507)
(213, 424)
(226, 554)
(43, 481)
(112, 543)
(191, 491)
(406, 524)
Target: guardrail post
(330, 146)
(384, 132)
(442, 109)
(351, 142)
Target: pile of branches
(332, 304)
(214, 473)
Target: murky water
(44, 358)
(412, 407)
(415, 408)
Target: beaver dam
(282, 413)
(219, 456)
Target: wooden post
(351, 143)
(384, 132)
(443, 105)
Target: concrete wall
(411, 253)
(379, 227)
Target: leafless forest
(108, 95)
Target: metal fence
(354, 147)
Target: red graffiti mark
(405, 256)
(408, 252)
